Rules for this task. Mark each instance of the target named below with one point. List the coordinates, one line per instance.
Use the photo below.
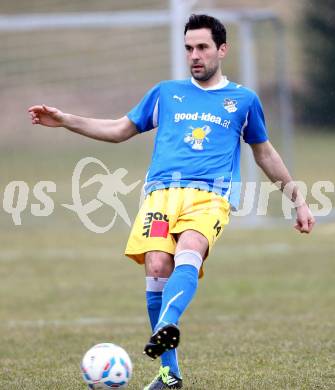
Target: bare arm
(273, 166)
(109, 130)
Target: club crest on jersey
(197, 137)
(230, 105)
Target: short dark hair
(218, 30)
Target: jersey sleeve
(255, 131)
(144, 115)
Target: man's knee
(194, 241)
(158, 264)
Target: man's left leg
(178, 292)
(159, 266)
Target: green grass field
(263, 317)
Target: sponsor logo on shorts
(156, 225)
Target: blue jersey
(198, 138)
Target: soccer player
(193, 179)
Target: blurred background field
(264, 315)
(104, 72)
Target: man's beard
(205, 75)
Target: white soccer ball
(106, 366)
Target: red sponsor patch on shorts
(159, 229)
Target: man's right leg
(158, 267)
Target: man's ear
(223, 49)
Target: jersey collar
(221, 84)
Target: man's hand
(272, 165)
(46, 116)
(305, 219)
(109, 130)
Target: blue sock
(170, 358)
(178, 293)
(154, 303)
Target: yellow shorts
(168, 212)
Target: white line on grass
(142, 320)
(108, 254)
(58, 254)
(41, 323)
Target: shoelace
(164, 374)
